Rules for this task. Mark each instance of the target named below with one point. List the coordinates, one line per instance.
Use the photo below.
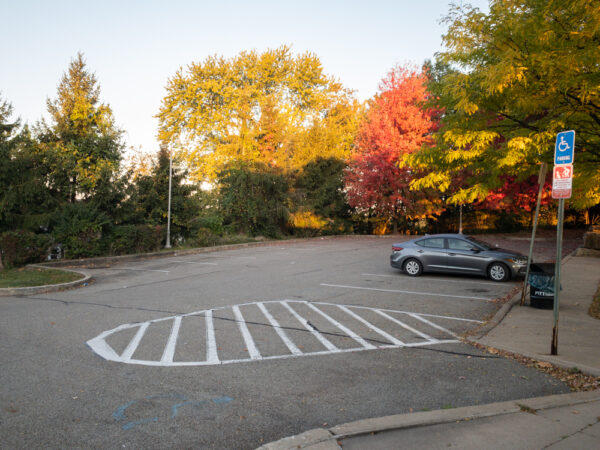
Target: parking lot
(234, 348)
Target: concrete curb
(106, 261)
(320, 436)
(505, 309)
(32, 290)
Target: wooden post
(541, 180)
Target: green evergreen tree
(82, 142)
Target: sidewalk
(559, 421)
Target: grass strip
(33, 276)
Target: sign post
(562, 182)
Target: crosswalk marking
(346, 330)
(167, 356)
(388, 336)
(211, 343)
(322, 339)
(284, 337)
(409, 328)
(252, 350)
(415, 329)
(133, 344)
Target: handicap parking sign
(565, 147)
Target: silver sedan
(457, 253)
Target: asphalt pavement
(558, 421)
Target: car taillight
(396, 249)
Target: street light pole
(168, 244)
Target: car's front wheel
(413, 267)
(498, 272)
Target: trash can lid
(545, 268)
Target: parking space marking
(386, 323)
(195, 262)
(488, 283)
(396, 291)
(138, 270)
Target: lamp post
(168, 243)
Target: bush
(125, 239)
(78, 227)
(254, 200)
(22, 247)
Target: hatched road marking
(355, 328)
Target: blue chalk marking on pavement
(222, 400)
(174, 408)
(130, 425)
(119, 414)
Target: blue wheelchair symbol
(564, 149)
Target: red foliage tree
(516, 197)
(396, 124)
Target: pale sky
(135, 46)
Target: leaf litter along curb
(573, 377)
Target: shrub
(22, 247)
(78, 227)
(125, 239)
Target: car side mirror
(475, 250)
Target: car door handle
(420, 251)
(451, 254)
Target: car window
(459, 244)
(485, 245)
(432, 243)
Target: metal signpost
(562, 182)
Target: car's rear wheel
(498, 272)
(413, 267)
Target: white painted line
(212, 356)
(252, 350)
(430, 294)
(314, 332)
(431, 324)
(100, 346)
(138, 270)
(489, 283)
(194, 262)
(409, 328)
(388, 336)
(292, 347)
(133, 344)
(397, 311)
(169, 352)
(346, 330)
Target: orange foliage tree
(377, 183)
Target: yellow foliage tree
(512, 78)
(272, 108)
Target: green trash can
(541, 285)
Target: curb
(321, 437)
(106, 261)
(505, 309)
(32, 290)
